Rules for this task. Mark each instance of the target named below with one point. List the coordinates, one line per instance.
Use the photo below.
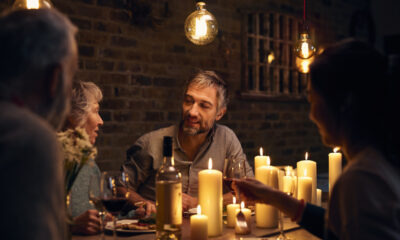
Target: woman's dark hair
(352, 78)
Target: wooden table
(294, 232)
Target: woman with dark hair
(352, 105)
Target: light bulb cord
(304, 11)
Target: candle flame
(261, 151)
(336, 149)
(172, 161)
(209, 163)
(198, 210)
(306, 156)
(305, 172)
(242, 205)
(288, 171)
(234, 200)
(268, 161)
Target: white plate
(110, 226)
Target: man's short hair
(210, 79)
(32, 42)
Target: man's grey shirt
(145, 157)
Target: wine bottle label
(168, 203)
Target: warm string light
(31, 4)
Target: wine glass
(112, 194)
(94, 199)
(235, 169)
(288, 188)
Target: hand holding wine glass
(112, 198)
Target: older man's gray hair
(210, 79)
(32, 44)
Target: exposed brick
(105, 115)
(120, 16)
(81, 23)
(123, 42)
(141, 80)
(164, 82)
(111, 3)
(86, 51)
(126, 116)
(154, 116)
(115, 78)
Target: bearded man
(195, 139)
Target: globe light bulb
(201, 27)
(304, 47)
(303, 65)
(31, 4)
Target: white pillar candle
(247, 215)
(260, 160)
(319, 197)
(266, 215)
(198, 226)
(311, 168)
(231, 210)
(305, 187)
(288, 185)
(295, 186)
(335, 168)
(210, 198)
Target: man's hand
(188, 202)
(145, 208)
(87, 223)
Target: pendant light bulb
(304, 47)
(201, 27)
(31, 4)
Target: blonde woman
(85, 114)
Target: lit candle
(198, 226)
(288, 183)
(305, 187)
(210, 198)
(260, 160)
(311, 169)
(335, 168)
(247, 215)
(266, 215)
(231, 210)
(319, 197)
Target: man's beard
(56, 112)
(192, 131)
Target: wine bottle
(168, 196)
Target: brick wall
(140, 61)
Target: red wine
(228, 183)
(114, 205)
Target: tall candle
(311, 168)
(231, 210)
(198, 226)
(304, 187)
(260, 160)
(335, 168)
(247, 215)
(319, 197)
(210, 198)
(266, 215)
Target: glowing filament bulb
(201, 27)
(32, 4)
(304, 47)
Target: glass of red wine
(235, 169)
(112, 194)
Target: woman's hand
(87, 223)
(251, 190)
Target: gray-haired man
(38, 58)
(196, 139)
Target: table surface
(292, 230)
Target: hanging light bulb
(303, 65)
(31, 4)
(201, 27)
(304, 47)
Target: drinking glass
(235, 169)
(288, 188)
(94, 199)
(113, 199)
